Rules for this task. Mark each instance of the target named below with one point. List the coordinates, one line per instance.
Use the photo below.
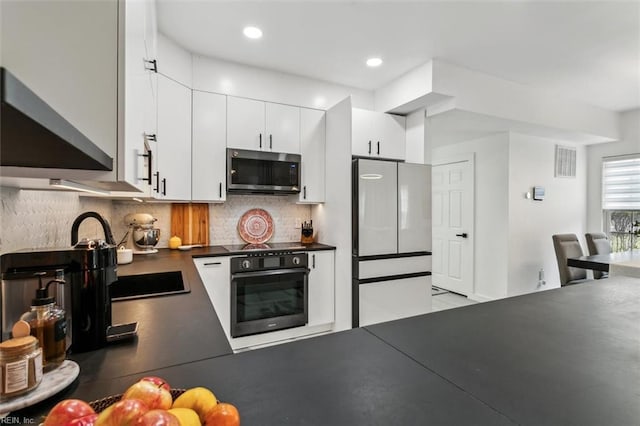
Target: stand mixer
(142, 236)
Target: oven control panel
(268, 260)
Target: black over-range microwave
(260, 172)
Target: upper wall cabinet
(208, 156)
(172, 179)
(262, 126)
(81, 58)
(312, 150)
(378, 135)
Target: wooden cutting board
(190, 222)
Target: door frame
(461, 158)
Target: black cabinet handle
(212, 263)
(150, 137)
(270, 142)
(149, 166)
(220, 191)
(260, 140)
(378, 147)
(304, 192)
(463, 235)
(369, 147)
(151, 65)
(313, 261)
(164, 186)
(157, 188)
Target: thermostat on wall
(538, 193)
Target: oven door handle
(269, 272)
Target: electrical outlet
(541, 280)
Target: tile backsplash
(41, 219)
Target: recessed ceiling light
(252, 32)
(374, 62)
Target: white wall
(218, 76)
(629, 143)
(491, 210)
(532, 223)
(415, 136)
(485, 94)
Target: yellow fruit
(187, 416)
(199, 399)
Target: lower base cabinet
(321, 288)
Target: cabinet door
(150, 30)
(390, 138)
(321, 288)
(174, 140)
(245, 124)
(363, 135)
(282, 128)
(216, 277)
(414, 207)
(395, 299)
(377, 207)
(312, 149)
(209, 147)
(379, 135)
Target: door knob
(463, 235)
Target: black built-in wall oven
(269, 291)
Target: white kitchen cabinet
(216, 277)
(282, 128)
(378, 135)
(106, 98)
(262, 126)
(140, 107)
(321, 288)
(394, 299)
(245, 123)
(208, 157)
(312, 150)
(172, 180)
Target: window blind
(621, 183)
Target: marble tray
(52, 383)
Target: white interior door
(452, 216)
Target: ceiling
(585, 50)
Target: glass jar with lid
(20, 366)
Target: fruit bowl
(101, 404)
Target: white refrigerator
(391, 240)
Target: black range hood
(32, 134)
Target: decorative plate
(256, 226)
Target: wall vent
(565, 161)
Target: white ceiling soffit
(585, 50)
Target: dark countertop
(565, 356)
(167, 322)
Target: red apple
(89, 420)
(67, 410)
(223, 414)
(154, 396)
(157, 418)
(158, 381)
(123, 413)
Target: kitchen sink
(148, 285)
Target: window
(621, 201)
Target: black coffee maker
(88, 269)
